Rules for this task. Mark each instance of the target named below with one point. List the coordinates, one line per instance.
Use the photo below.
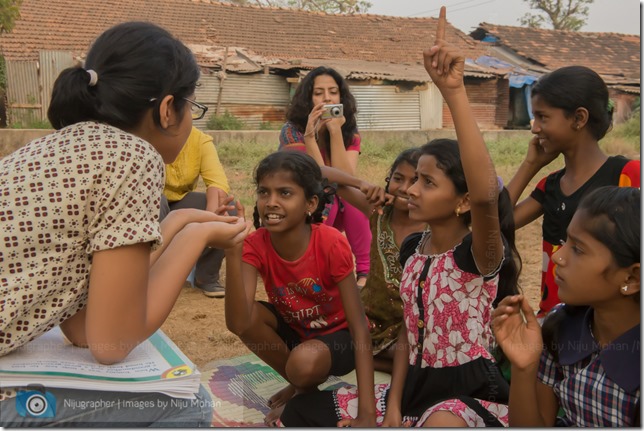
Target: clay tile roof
(71, 25)
(606, 53)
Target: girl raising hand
(443, 373)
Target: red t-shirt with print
(305, 291)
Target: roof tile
(606, 53)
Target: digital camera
(333, 111)
(35, 402)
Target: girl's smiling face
(433, 196)
(401, 179)
(281, 202)
(554, 130)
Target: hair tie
(499, 180)
(93, 77)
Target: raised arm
(446, 67)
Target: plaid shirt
(595, 387)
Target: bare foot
(271, 418)
(281, 398)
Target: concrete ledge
(12, 139)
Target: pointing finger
(440, 29)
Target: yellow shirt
(198, 157)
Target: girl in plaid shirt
(586, 358)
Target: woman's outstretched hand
(518, 332)
(443, 62)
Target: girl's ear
(581, 118)
(633, 280)
(167, 113)
(312, 204)
(464, 203)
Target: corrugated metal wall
(23, 96)
(382, 107)
(51, 64)
(29, 86)
(431, 108)
(254, 98)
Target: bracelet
(309, 133)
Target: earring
(560, 259)
(458, 212)
(625, 288)
(308, 213)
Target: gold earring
(625, 288)
(457, 211)
(308, 213)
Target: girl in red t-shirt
(313, 325)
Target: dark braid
(256, 220)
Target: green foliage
(239, 159)
(9, 13)
(31, 124)
(3, 74)
(560, 14)
(631, 128)
(267, 125)
(225, 121)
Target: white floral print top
(457, 303)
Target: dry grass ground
(197, 324)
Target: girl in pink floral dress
(443, 373)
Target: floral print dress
(447, 312)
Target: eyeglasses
(196, 109)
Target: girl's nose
(557, 257)
(271, 201)
(404, 187)
(411, 190)
(534, 126)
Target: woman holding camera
(330, 136)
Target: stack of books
(156, 365)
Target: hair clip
(611, 106)
(93, 77)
